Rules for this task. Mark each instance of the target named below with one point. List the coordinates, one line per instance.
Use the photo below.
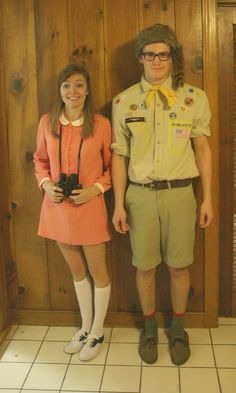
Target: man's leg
(179, 285)
(146, 287)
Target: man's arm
(119, 180)
(204, 163)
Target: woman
(72, 166)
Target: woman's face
(74, 91)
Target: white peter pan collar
(64, 121)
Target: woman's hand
(85, 194)
(55, 193)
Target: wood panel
(52, 46)
(8, 277)
(120, 27)
(156, 11)
(21, 109)
(121, 72)
(87, 43)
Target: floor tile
(125, 335)
(52, 352)
(83, 377)
(224, 335)
(60, 333)
(227, 380)
(99, 359)
(160, 380)
(123, 354)
(227, 321)
(162, 336)
(45, 376)
(199, 336)
(225, 355)
(201, 356)
(121, 379)
(8, 370)
(199, 380)
(163, 358)
(21, 351)
(28, 332)
(11, 332)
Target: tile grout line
(105, 361)
(213, 351)
(32, 363)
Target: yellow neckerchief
(167, 93)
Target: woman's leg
(96, 260)
(74, 258)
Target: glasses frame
(156, 55)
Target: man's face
(156, 71)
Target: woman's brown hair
(58, 108)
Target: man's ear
(140, 59)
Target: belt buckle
(153, 185)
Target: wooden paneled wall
(37, 39)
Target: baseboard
(122, 319)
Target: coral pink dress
(67, 222)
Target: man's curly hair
(163, 33)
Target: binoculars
(68, 183)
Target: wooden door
(227, 119)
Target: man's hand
(205, 214)
(119, 221)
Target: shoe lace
(80, 336)
(94, 341)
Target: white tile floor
(34, 362)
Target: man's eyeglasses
(162, 56)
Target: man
(161, 129)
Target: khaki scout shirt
(156, 138)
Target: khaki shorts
(162, 226)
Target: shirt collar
(146, 86)
(64, 121)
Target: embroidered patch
(134, 119)
(172, 115)
(143, 105)
(182, 132)
(189, 101)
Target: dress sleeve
(105, 179)
(41, 159)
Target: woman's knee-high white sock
(84, 295)
(101, 301)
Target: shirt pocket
(178, 136)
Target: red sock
(179, 314)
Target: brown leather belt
(164, 184)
